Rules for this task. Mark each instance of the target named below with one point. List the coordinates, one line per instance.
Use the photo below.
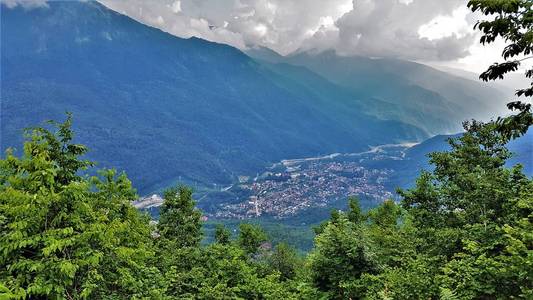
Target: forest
(464, 231)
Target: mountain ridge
(161, 107)
(405, 91)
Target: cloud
(27, 4)
(282, 25)
(423, 30)
(182, 18)
(433, 30)
(390, 28)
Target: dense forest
(464, 231)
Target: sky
(435, 32)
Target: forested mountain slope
(161, 107)
(393, 89)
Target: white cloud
(447, 25)
(27, 4)
(176, 7)
(390, 28)
(282, 25)
(432, 31)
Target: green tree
(469, 184)
(385, 215)
(64, 236)
(355, 214)
(251, 237)
(180, 221)
(222, 234)
(340, 258)
(222, 272)
(336, 214)
(285, 260)
(512, 21)
(465, 211)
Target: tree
(469, 184)
(251, 237)
(285, 260)
(180, 221)
(63, 235)
(222, 271)
(340, 258)
(355, 213)
(386, 215)
(222, 235)
(511, 20)
(465, 211)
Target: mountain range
(392, 89)
(416, 158)
(167, 109)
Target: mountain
(164, 108)
(392, 89)
(508, 85)
(416, 158)
(167, 109)
(521, 149)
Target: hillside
(416, 158)
(392, 89)
(164, 108)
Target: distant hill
(164, 108)
(392, 89)
(416, 158)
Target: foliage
(250, 237)
(222, 234)
(67, 236)
(179, 220)
(286, 261)
(340, 256)
(355, 215)
(511, 21)
(463, 232)
(463, 210)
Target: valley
(289, 189)
(265, 150)
(291, 186)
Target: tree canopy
(462, 232)
(511, 21)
